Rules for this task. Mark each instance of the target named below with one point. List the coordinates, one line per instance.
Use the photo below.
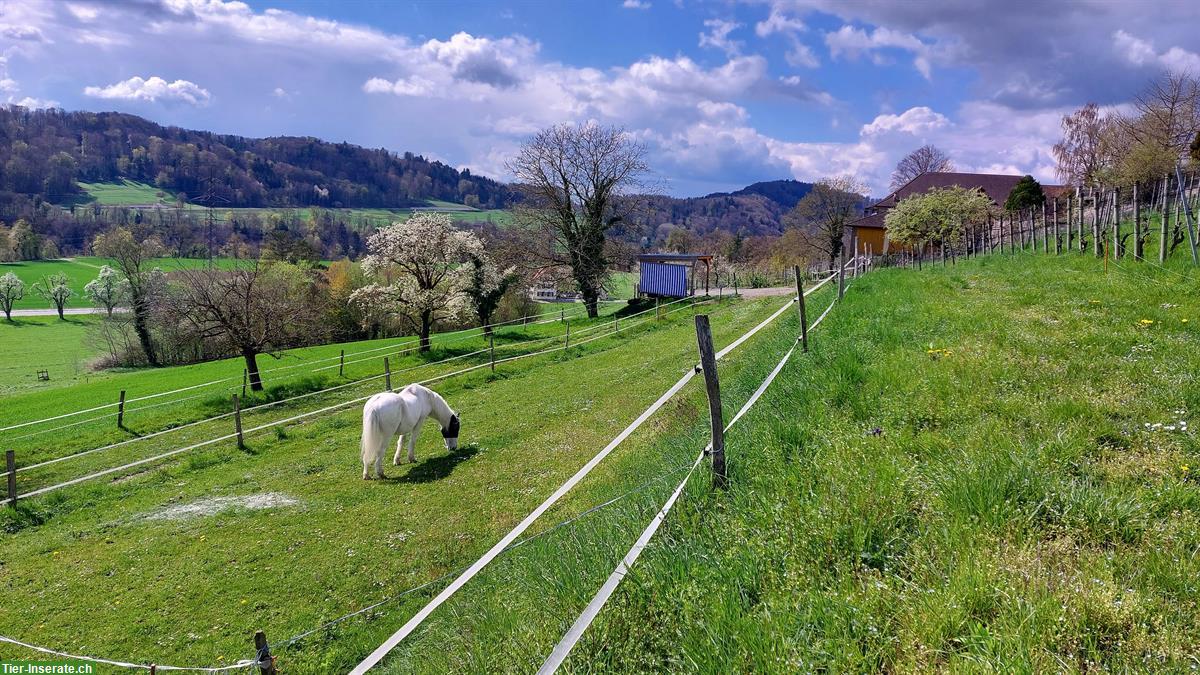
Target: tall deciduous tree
(925, 159)
(1082, 154)
(12, 289)
(821, 215)
(487, 286)
(428, 259)
(107, 290)
(132, 257)
(250, 310)
(571, 177)
(55, 289)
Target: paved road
(54, 312)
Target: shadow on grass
(437, 468)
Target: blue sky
(720, 93)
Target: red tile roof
(996, 186)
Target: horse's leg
(399, 447)
(412, 444)
(379, 462)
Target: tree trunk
(251, 358)
(141, 326)
(426, 326)
(591, 302)
(59, 306)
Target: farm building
(671, 274)
(871, 232)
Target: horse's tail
(372, 431)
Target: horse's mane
(440, 408)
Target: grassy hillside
(983, 468)
(34, 343)
(127, 193)
(124, 193)
(988, 466)
(80, 270)
(117, 567)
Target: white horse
(387, 414)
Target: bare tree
(1082, 154)
(571, 176)
(132, 257)
(821, 215)
(258, 309)
(1168, 113)
(925, 159)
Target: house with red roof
(871, 232)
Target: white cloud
(718, 36)
(635, 4)
(85, 13)
(1141, 52)
(34, 103)
(153, 89)
(914, 121)
(22, 32)
(853, 42)
(779, 22)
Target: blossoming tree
(423, 263)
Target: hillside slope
(46, 152)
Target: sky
(720, 94)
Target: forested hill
(45, 153)
(756, 209)
(786, 193)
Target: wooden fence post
(1166, 208)
(262, 655)
(803, 314)
(121, 411)
(1045, 230)
(708, 365)
(342, 363)
(492, 350)
(10, 467)
(1116, 223)
(387, 374)
(237, 421)
(567, 341)
(1057, 239)
(1188, 217)
(1138, 250)
(841, 275)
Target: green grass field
(80, 270)
(158, 584)
(125, 193)
(983, 467)
(129, 193)
(33, 343)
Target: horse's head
(450, 433)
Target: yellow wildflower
(1145, 322)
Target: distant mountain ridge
(787, 193)
(45, 153)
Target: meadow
(129, 193)
(82, 269)
(180, 559)
(983, 466)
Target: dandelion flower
(1145, 322)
